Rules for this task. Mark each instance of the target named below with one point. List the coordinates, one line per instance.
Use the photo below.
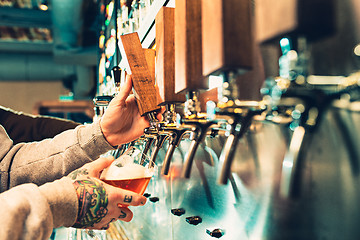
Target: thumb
(99, 165)
(124, 91)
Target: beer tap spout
(159, 141)
(175, 136)
(200, 127)
(240, 119)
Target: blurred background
(48, 49)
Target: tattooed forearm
(74, 174)
(93, 202)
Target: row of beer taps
(288, 99)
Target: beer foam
(129, 171)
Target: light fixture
(43, 5)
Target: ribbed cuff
(63, 201)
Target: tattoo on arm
(93, 202)
(74, 174)
(127, 199)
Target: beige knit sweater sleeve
(50, 159)
(31, 212)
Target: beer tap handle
(165, 57)
(188, 47)
(313, 19)
(143, 82)
(117, 77)
(227, 38)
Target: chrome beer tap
(175, 133)
(233, 39)
(189, 78)
(199, 126)
(169, 129)
(175, 136)
(238, 114)
(306, 102)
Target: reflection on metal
(175, 136)
(198, 135)
(240, 116)
(325, 209)
(289, 164)
(159, 141)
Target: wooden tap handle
(188, 47)
(142, 77)
(227, 36)
(294, 18)
(165, 56)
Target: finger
(125, 214)
(124, 91)
(159, 114)
(96, 167)
(125, 197)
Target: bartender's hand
(98, 201)
(122, 122)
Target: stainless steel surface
(282, 183)
(251, 206)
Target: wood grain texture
(226, 36)
(165, 56)
(142, 76)
(150, 60)
(188, 46)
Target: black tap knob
(117, 75)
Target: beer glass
(131, 171)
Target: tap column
(188, 73)
(228, 51)
(165, 80)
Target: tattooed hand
(100, 203)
